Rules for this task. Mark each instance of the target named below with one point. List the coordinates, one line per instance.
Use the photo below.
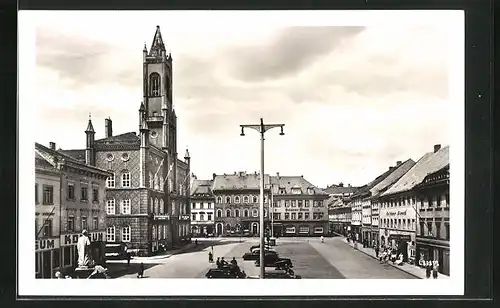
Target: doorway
(255, 229)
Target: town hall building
(147, 197)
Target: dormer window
(296, 191)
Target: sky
(354, 98)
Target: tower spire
(157, 46)
(90, 127)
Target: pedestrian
(376, 251)
(58, 275)
(428, 269)
(234, 262)
(219, 265)
(140, 274)
(128, 260)
(210, 257)
(196, 242)
(435, 268)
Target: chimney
(390, 168)
(398, 163)
(349, 185)
(52, 145)
(341, 184)
(108, 127)
(437, 147)
(277, 174)
(213, 176)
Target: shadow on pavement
(116, 270)
(207, 244)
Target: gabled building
(148, 194)
(398, 205)
(202, 208)
(69, 198)
(433, 228)
(339, 213)
(237, 201)
(299, 208)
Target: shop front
(70, 252)
(47, 257)
(404, 244)
(434, 251)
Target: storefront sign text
(397, 213)
(46, 244)
(72, 239)
(292, 210)
(184, 217)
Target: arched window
(162, 209)
(162, 183)
(151, 205)
(245, 213)
(255, 213)
(254, 198)
(110, 234)
(219, 199)
(125, 178)
(151, 179)
(157, 183)
(154, 232)
(228, 199)
(236, 199)
(245, 199)
(154, 84)
(228, 213)
(219, 213)
(126, 234)
(156, 206)
(237, 213)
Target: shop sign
(184, 217)
(72, 239)
(292, 209)
(161, 217)
(47, 244)
(400, 237)
(396, 213)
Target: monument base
(82, 272)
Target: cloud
(290, 51)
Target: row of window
(255, 213)
(48, 193)
(125, 180)
(201, 205)
(47, 196)
(400, 223)
(125, 207)
(238, 199)
(46, 230)
(202, 217)
(428, 201)
(298, 203)
(112, 237)
(433, 229)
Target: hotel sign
(184, 217)
(292, 209)
(161, 217)
(47, 244)
(72, 239)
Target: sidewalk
(408, 268)
(151, 259)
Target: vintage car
(224, 272)
(278, 274)
(275, 261)
(255, 254)
(266, 246)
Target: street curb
(395, 266)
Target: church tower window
(154, 84)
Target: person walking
(140, 274)
(428, 269)
(376, 251)
(435, 267)
(210, 257)
(218, 263)
(128, 260)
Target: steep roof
(395, 175)
(289, 182)
(130, 137)
(337, 190)
(201, 187)
(239, 181)
(429, 163)
(79, 155)
(42, 163)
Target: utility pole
(261, 128)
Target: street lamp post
(261, 128)
(272, 212)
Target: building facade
(80, 203)
(202, 208)
(433, 228)
(299, 208)
(337, 209)
(237, 202)
(398, 214)
(147, 196)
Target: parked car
(255, 254)
(224, 272)
(266, 246)
(278, 274)
(275, 261)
